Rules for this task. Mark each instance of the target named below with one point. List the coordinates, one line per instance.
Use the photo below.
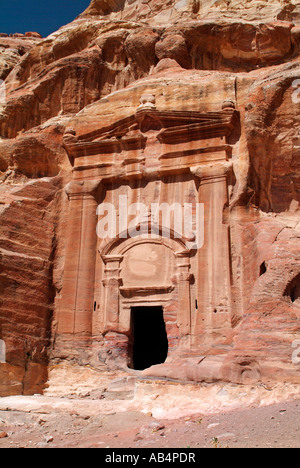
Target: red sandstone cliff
(250, 54)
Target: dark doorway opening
(263, 269)
(150, 342)
(293, 289)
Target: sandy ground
(40, 422)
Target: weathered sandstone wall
(192, 56)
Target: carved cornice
(212, 125)
(145, 291)
(131, 133)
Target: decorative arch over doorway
(143, 272)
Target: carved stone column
(112, 283)
(214, 269)
(183, 279)
(76, 306)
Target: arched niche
(145, 232)
(144, 271)
(292, 290)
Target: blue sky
(43, 16)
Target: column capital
(111, 258)
(213, 170)
(79, 189)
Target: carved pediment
(171, 128)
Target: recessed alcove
(149, 337)
(293, 290)
(263, 269)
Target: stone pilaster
(183, 279)
(214, 271)
(112, 282)
(76, 307)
